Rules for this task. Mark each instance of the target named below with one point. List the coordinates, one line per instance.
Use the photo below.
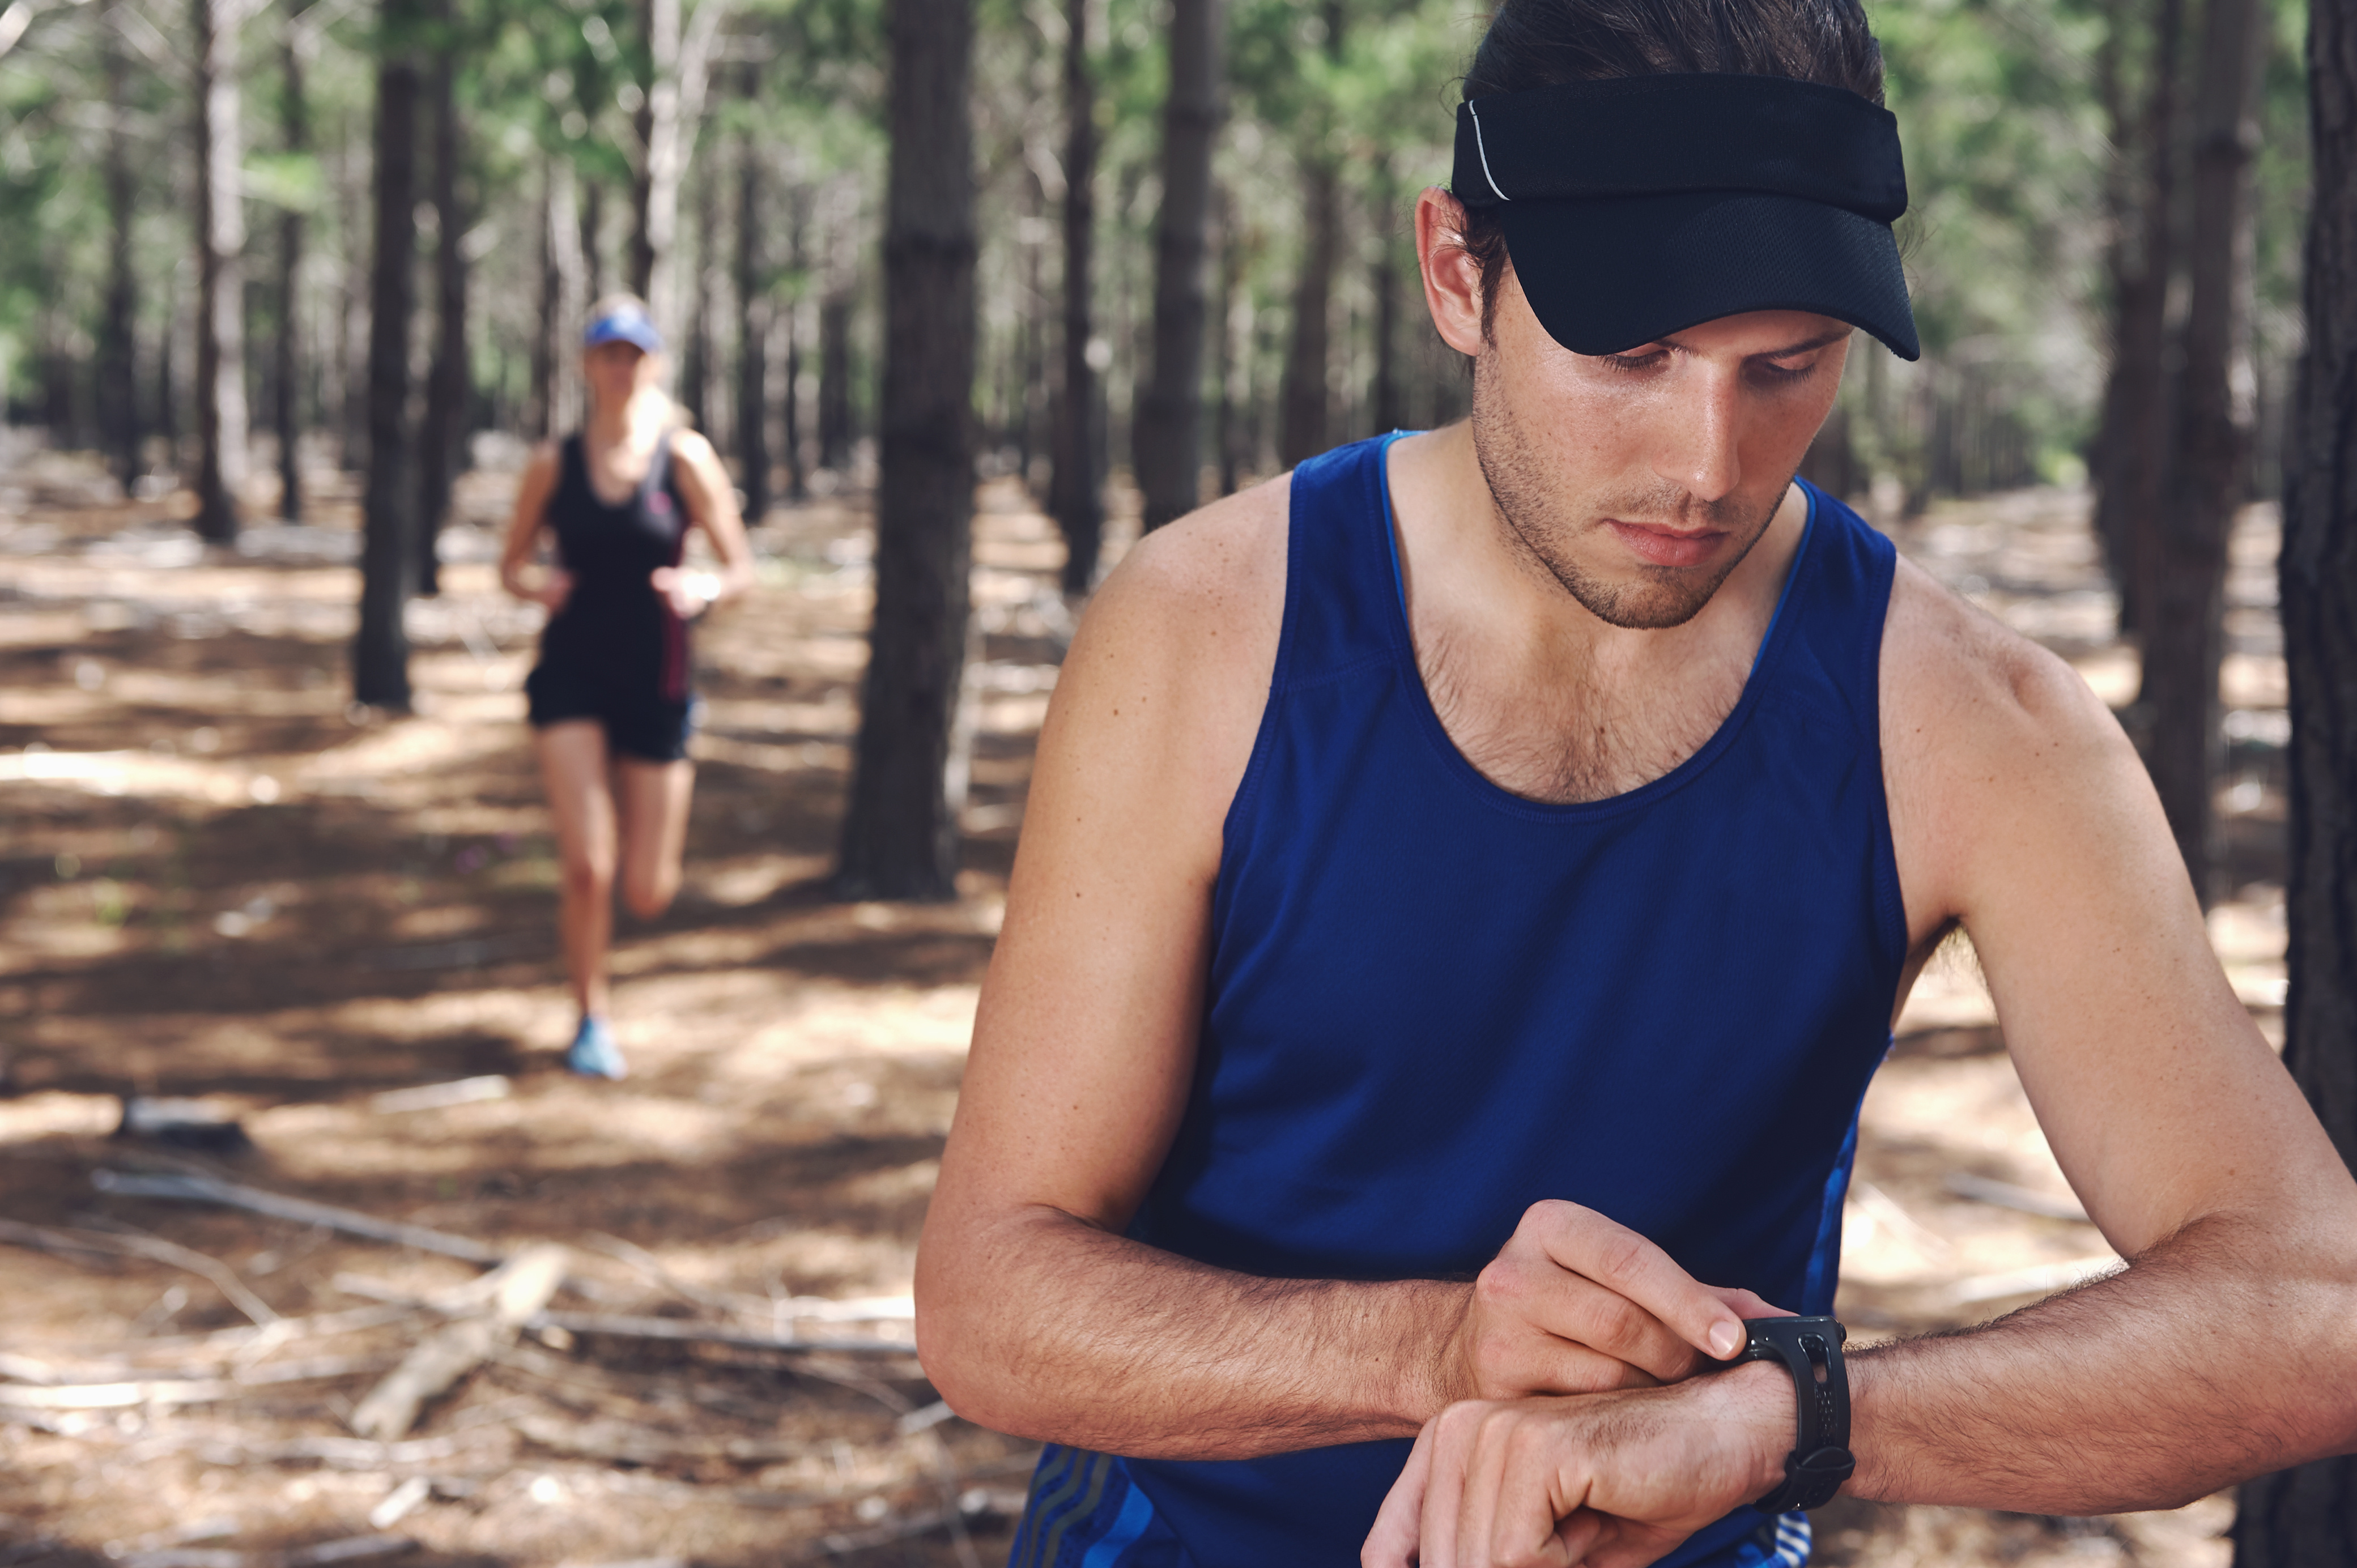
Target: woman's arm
(711, 500)
(548, 585)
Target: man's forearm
(2224, 1352)
(1078, 1335)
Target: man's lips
(1659, 546)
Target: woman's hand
(689, 592)
(551, 587)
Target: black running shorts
(640, 723)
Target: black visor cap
(1637, 207)
(1610, 274)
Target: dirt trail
(216, 882)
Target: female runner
(610, 703)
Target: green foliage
(2008, 150)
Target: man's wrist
(1755, 1402)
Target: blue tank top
(1432, 1003)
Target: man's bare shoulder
(1205, 593)
(1958, 677)
(1986, 737)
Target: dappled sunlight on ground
(334, 931)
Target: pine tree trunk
(297, 121)
(1076, 489)
(540, 407)
(352, 393)
(901, 832)
(834, 383)
(787, 320)
(2306, 1518)
(1390, 403)
(2134, 466)
(221, 293)
(656, 121)
(2185, 642)
(593, 275)
(1168, 446)
(388, 547)
(753, 324)
(441, 437)
(118, 381)
(1301, 394)
(695, 347)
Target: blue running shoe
(593, 1053)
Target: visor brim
(1605, 275)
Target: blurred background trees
(377, 226)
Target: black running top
(614, 616)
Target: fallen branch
(624, 1443)
(302, 1210)
(2021, 1199)
(125, 1394)
(518, 1290)
(351, 1549)
(844, 1543)
(686, 1330)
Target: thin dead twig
(155, 1248)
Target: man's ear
(1452, 278)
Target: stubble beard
(1540, 527)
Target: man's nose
(1698, 449)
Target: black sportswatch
(1809, 1349)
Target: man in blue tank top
(1468, 883)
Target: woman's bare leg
(574, 770)
(653, 798)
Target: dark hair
(1542, 43)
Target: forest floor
(331, 933)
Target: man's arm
(2226, 1349)
(1035, 1314)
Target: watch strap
(1810, 1349)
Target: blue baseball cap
(624, 323)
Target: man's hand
(1575, 1304)
(1608, 1481)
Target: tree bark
(288, 369)
(118, 380)
(2133, 462)
(388, 549)
(540, 403)
(901, 832)
(679, 51)
(2306, 1518)
(593, 241)
(441, 438)
(221, 292)
(1303, 411)
(788, 318)
(1389, 403)
(1076, 487)
(834, 383)
(695, 340)
(2185, 643)
(1168, 446)
(754, 307)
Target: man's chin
(1653, 603)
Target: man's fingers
(1626, 1263)
(1391, 1543)
(1743, 1304)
